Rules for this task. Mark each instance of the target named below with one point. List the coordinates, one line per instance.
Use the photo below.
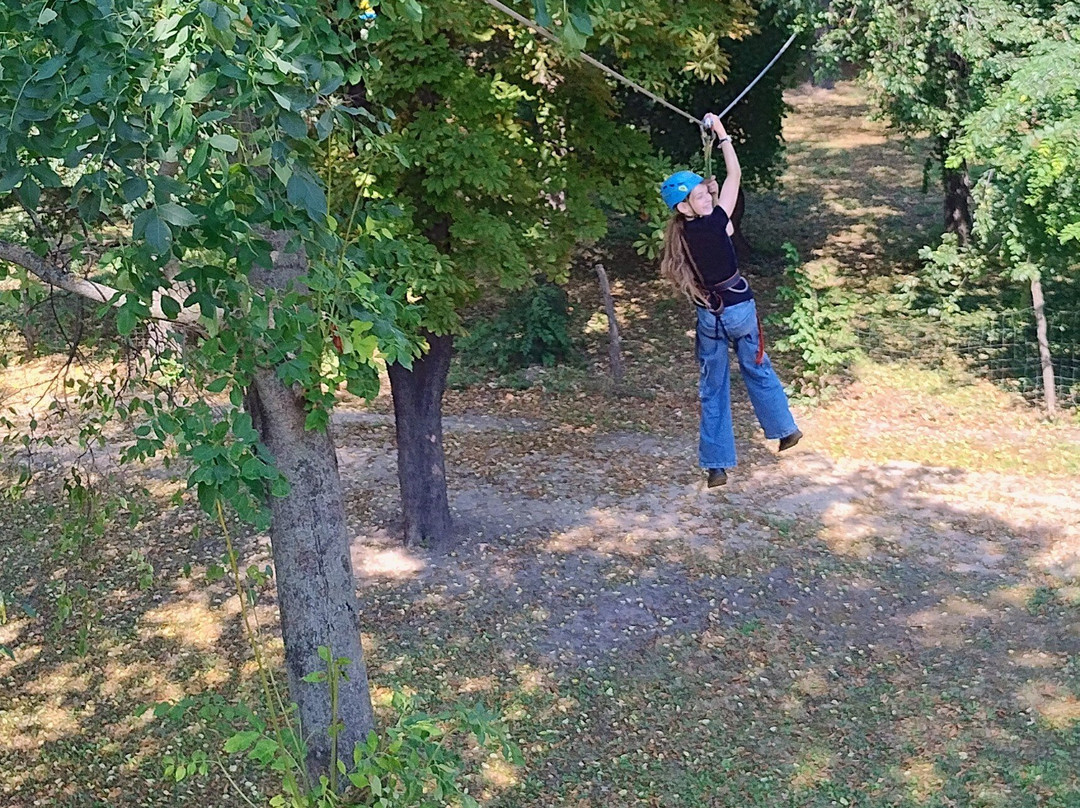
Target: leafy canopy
(170, 150)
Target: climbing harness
(707, 135)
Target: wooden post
(614, 343)
(1049, 391)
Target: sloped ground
(885, 616)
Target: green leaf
(50, 68)
(170, 307)
(30, 193)
(134, 188)
(201, 87)
(177, 215)
(543, 17)
(126, 320)
(572, 38)
(579, 17)
(227, 143)
(45, 175)
(241, 741)
(11, 179)
(284, 102)
(292, 125)
(305, 193)
(325, 125)
(157, 234)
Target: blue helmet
(678, 186)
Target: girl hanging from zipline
(699, 261)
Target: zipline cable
(544, 32)
(750, 86)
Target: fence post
(614, 342)
(1049, 389)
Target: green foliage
(533, 329)
(414, 762)
(505, 150)
(156, 147)
(754, 124)
(1027, 139)
(1025, 145)
(819, 329)
(930, 64)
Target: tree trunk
(1049, 389)
(958, 202)
(313, 568)
(417, 397)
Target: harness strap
(729, 284)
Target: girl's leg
(716, 446)
(766, 392)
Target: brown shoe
(717, 477)
(790, 440)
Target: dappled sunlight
(852, 617)
(1055, 704)
(1061, 558)
(389, 563)
(813, 768)
(30, 386)
(476, 684)
(1040, 659)
(948, 623)
(189, 620)
(49, 708)
(811, 683)
(10, 633)
(532, 679)
(141, 682)
(922, 778)
(611, 531)
(498, 775)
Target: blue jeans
(736, 325)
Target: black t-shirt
(714, 254)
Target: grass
(885, 619)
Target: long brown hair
(677, 265)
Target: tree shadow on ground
(878, 619)
(101, 644)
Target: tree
(924, 62)
(166, 155)
(510, 153)
(1026, 141)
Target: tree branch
(92, 290)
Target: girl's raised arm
(729, 191)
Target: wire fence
(1002, 347)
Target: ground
(884, 616)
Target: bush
(534, 329)
(415, 762)
(819, 325)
